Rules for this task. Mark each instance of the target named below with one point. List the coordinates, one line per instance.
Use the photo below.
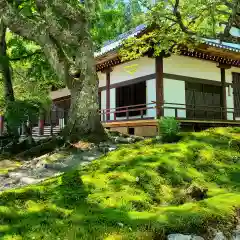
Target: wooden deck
(153, 122)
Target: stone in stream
(183, 237)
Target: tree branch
(26, 56)
(178, 16)
(17, 23)
(228, 4)
(231, 20)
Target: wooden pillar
(1, 125)
(223, 95)
(223, 99)
(159, 86)
(108, 76)
(99, 104)
(41, 126)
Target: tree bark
(5, 66)
(7, 77)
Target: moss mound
(141, 191)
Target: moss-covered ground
(140, 191)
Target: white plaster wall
(103, 102)
(143, 66)
(174, 92)
(102, 79)
(230, 105)
(112, 102)
(151, 96)
(191, 67)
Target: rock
(56, 166)
(137, 138)
(112, 149)
(219, 236)
(106, 147)
(183, 237)
(41, 164)
(16, 175)
(28, 180)
(88, 158)
(123, 140)
(197, 193)
(236, 233)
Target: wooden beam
(159, 86)
(225, 66)
(223, 93)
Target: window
(130, 95)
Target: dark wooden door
(236, 93)
(203, 101)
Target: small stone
(120, 224)
(112, 149)
(28, 180)
(184, 237)
(219, 236)
(88, 158)
(16, 175)
(41, 164)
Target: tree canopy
(174, 23)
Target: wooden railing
(126, 109)
(190, 112)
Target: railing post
(115, 115)
(51, 125)
(141, 113)
(1, 125)
(127, 113)
(40, 125)
(176, 113)
(103, 113)
(29, 128)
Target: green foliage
(141, 191)
(115, 17)
(174, 27)
(19, 112)
(168, 129)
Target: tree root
(43, 148)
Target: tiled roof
(114, 44)
(224, 45)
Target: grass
(137, 192)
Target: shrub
(168, 129)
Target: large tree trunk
(84, 118)
(7, 77)
(5, 66)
